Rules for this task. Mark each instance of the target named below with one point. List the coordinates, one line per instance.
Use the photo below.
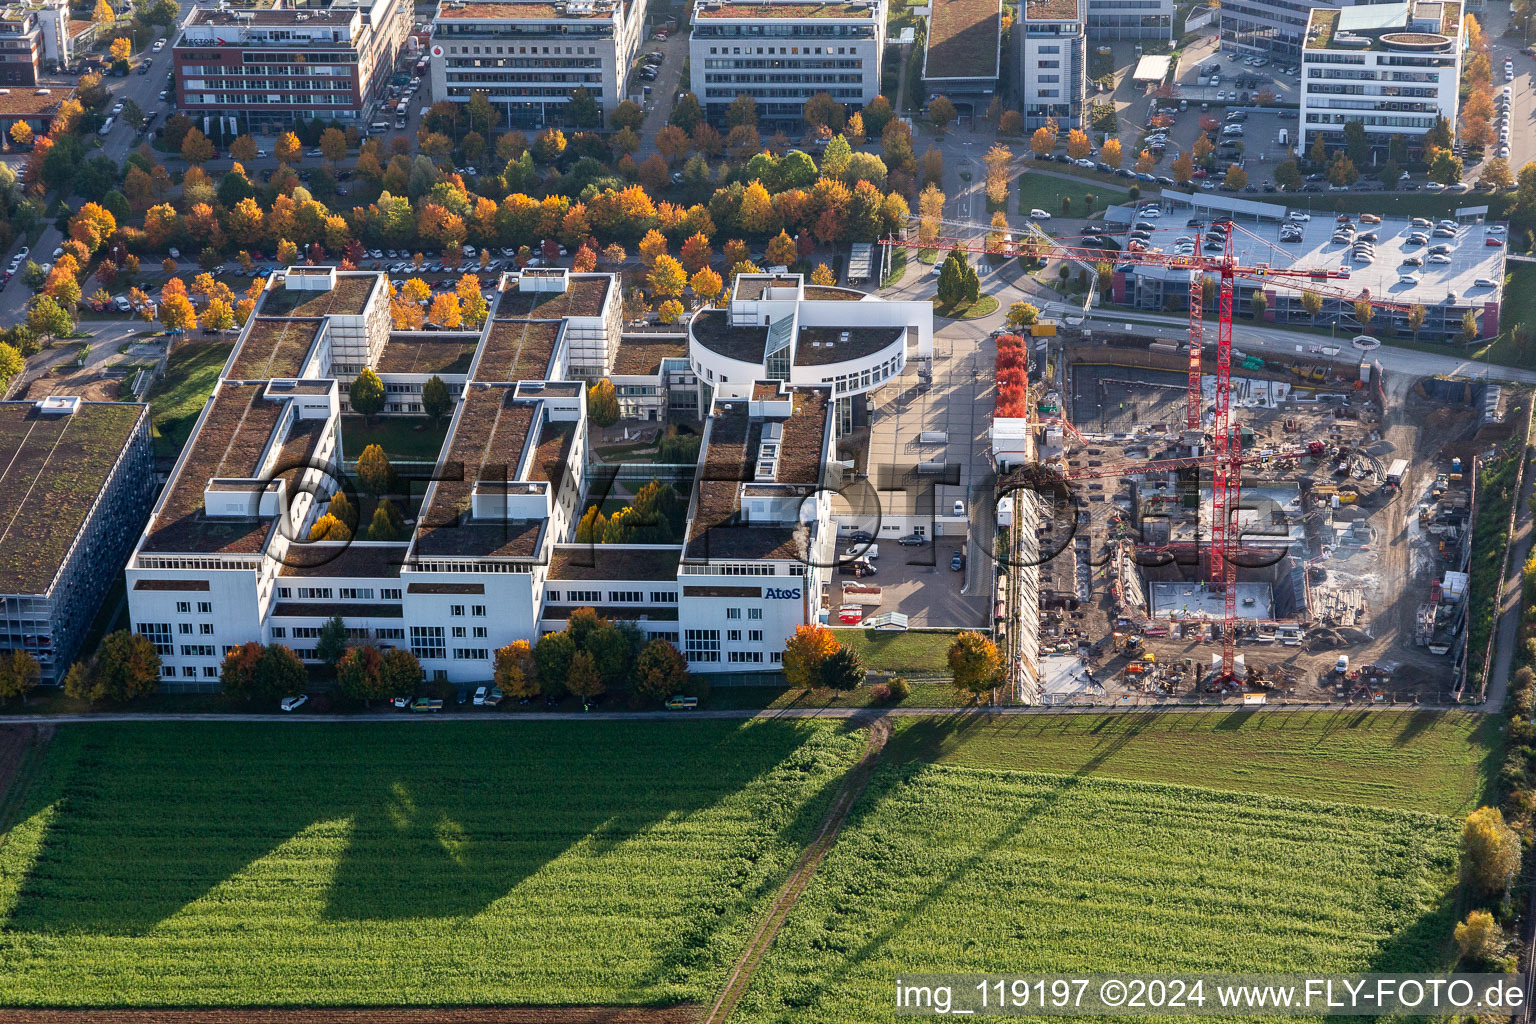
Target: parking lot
(954, 413)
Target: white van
(1285, 136)
(869, 551)
(379, 127)
(106, 125)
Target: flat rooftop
(963, 40)
(1424, 26)
(1050, 10)
(348, 298)
(640, 355)
(362, 560)
(729, 460)
(274, 348)
(52, 468)
(516, 350)
(818, 346)
(519, 10)
(712, 329)
(23, 101)
(442, 354)
(235, 433)
(756, 11)
(488, 440)
(584, 296)
(1259, 242)
(615, 562)
(831, 293)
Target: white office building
(1393, 67)
(1130, 19)
(489, 553)
(1052, 63)
(529, 56)
(783, 52)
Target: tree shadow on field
(451, 846)
(443, 819)
(1425, 944)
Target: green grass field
(403, 438)
(424, 863)
(946, 869)
(1045, 191)
(176, 399)
(920, 651)
(1423, 761)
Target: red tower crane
(1226, 459)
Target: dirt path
(805, 869)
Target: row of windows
(203, 607)
(730, 63)
(471, 653)
(701, 645)
(614, 596)
(347, 593)
(467, 63)
(849, 95)
(185, 628)
(784, 31)
(844, 383)
(1385, 122)
(197, 650)
(189, 671)
(523, 93)
(782, 51)
(500, 50)
(745, 78)
(427, 642)
(735, 613)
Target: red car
(1493, 241)
(1201, 172)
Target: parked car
(957, 560)
(911, 540)
(480, 694)
(857, 551)
(294, 703)
(1039, 214)
(426, 704)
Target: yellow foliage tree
(445, 311)
(804, 652)
(121, 49)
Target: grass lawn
(1045, 192)
(983, 306)
(442, 863)
(176, 399)
(949, 869)
(898, 266)
(1423, 761)
(890, 651)
(406, 438)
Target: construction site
(1351, 525)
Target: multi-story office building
(964, 54)
(783, 52)
(529, 56)
(30, 34)
(296, 60)
(76, 479)
(1274, 28)
(1393, 67)
(225, 557)
(1052, 63)
(1130, 19)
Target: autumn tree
(514, 670)
(1044, 138)
(1145, 162)
(1479, 937)
(19, 674)
(706, 284)
(1490, 852)
(823, 275)
(1111, 152)
(288, 149)
(667, 277)
(975, 663)
(435, 400)
(781, 250)
(998, 162)
(660, 672)
(126, 666)
(941, 112)
(197, 149)
(1312, 303)
(367, 395)
(603, 403)
(329, 527)
(803, 654)
(360, 675)
(445, 311)
(1235, 178)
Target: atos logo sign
(782, 594)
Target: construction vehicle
(1442, 484)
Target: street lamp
(1333, 327)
